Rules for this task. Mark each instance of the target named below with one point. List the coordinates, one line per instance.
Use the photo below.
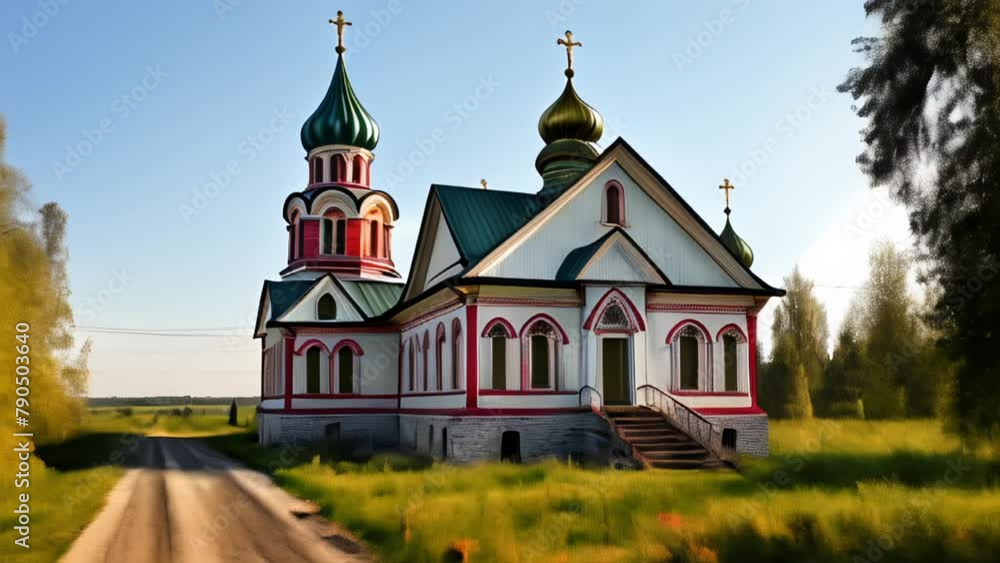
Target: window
(439, 353)
(326, 308)
(373, 230)
(542, 342)
(327, 236)
(312, 370)
(317, 170)
(614, 318)
(340, 168)
(614, 204)
(689, 348)
(730, 348)
(358, 172)
(426, 350)
(345, 371)
(412, 365)
(341, 235)
(498, 335)
(301, 236)
(293, 237)
(456, 355)
(689, 362)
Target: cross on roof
(340, 22)
(569, 44)
(726, 186)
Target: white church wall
(661, 365)
(378, 366)
(569, 318)
(682, 259)
(305, 310)
(416, 333)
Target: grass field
(831, 491)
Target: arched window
(735, 359)
(293, 237)
(340, 168)
(333, 237)
(317, 170)
(498, 333)
(542, 345)
(426, 351)
(614, 204)
(312, 369)
(345, 370)
(689, 350)
(358, 170)
(326, 308)
(439, 340)
(456, 354)
(411, 364)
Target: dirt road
(187, 503)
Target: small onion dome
(340, 118)
(735, 244)
(569, 117)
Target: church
(594, 315)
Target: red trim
(439, 341)
(340, 396)
(309, 344)
(427, 349)
(435, 412)
(543, 317)
(500, 320)
(432, 314)
(602, 305)
(718, 411)
(433, 394)
(500, 392)
(680, 393)
(471, 357)
(354, 346)
(729, 327)
(456, 352)
(507, 301)
(289, 350)
(682, 324)
(310, 330)
(678, 307)
(613, 331)
(752, 343)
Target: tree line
(886, 360)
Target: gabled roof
(479, 219)
(370, 298)
(374, 298)
(579, 259)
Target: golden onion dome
(569, 117)
(739, 247)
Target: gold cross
(569, 44)
(483, 182)
(727, 186)
(340, 22)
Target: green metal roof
(373, 297)
(284, 294)
(480, 219)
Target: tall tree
(930, 91)
(844, 376)
(799, 334)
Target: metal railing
(593, 391)
(685, 419)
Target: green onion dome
(340, 118)
(735, 244)
(569, 117)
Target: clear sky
(182, 90)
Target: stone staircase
(656, 442)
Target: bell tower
(339, 223)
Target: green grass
(203, 420)
(830, 492)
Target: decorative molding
(528, 302)
(604, 302)
(438, 311)
(685, 322)
(729, 327)
(502, 321)
(684, 308)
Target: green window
(326, 308)
(345, 370)
(689, 362)
(540, 361)
(312, 370)
(729, 347)
(499, 344)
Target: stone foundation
(751, 432)
(371, 430)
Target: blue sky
(183, 90)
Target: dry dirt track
(187, 503)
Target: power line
(162, 329)
(167, 334)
